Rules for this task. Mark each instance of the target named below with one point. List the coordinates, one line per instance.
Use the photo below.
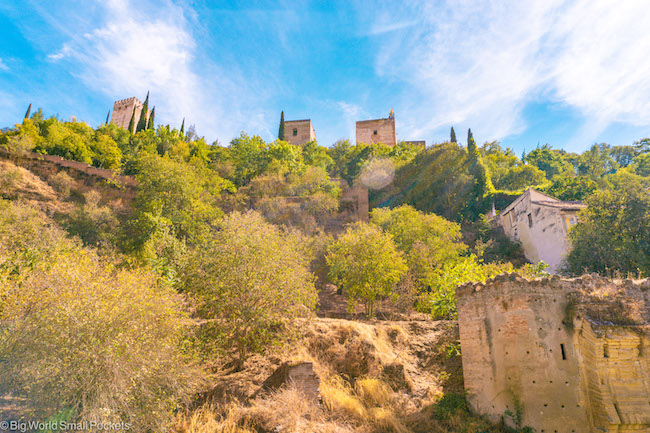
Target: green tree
(597, 162)
(132, 122)
(550, 161)
(365, 262)
(471, 144)
(108, 117)
(452, 138)
(521, 177)
(185, 194)
(250, 281)
(426, 240)
(29, 110)
(614, 231)
(571, 188)
(142, 122)
(281, 129)
(182, 131)
(642, 164)
(150, 124)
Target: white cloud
(132, 53)
(351, 113)
(3, 65)
(480, 63)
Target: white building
(541, 223)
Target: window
(295, 131)
(530, 220)
(374, 132)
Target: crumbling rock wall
(568, 355)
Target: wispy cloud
(480, 63)
(3, 65)
(133, 52)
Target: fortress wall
(384, 128)
(541, 345)
(303, 129)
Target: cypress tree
(132, 122)
(281, 130)
(29, 110)
(142, 123)
(108, 116)
(151, 118)
(453, 135)
(471, 144)
(183, 128)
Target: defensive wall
(567, 355)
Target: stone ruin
(563, 355)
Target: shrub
(366, 264)
(250, 280)
(82, 339)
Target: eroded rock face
(568, 355)
(298, 374)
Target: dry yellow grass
(374, 392)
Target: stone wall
(299, 132)
(377, 131)
(568, 354)
(123, 110)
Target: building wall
(547, 238)
(123, 109)
(377, 131)
(299, 132)
(531, 342)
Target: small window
(530, 220)
(563, 352)
(295, 131)
(374, 132)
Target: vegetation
(108, 305)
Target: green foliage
(471, 144)
(426, 240)
(349, 159)
(249, 280)
(78, 335)
(315, 155)
(614, 231)
(132, 122)
(187, 195)
(150, 124)
(281, 129)
(571, 188)
(452, 136)
(642, 164)
(95, 224)
(521, 177)
(550, 161)
(106, 152)
(596, 162)
(366, 264)
(142, 122)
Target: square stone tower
(298, 132)
(123, 109)
(377, 131)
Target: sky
(566, 73)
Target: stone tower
(298, 132)
(123, 109)
(377, 131)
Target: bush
(82, 339)
(366, 264)
(250, 280)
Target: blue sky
(567, 73)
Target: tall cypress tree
(151, 118)
(281, 130)
(453, 135)
(132, 122)
(471, 144)
(142, 123)
(183, 128)
(29, 110)
(108, 116)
